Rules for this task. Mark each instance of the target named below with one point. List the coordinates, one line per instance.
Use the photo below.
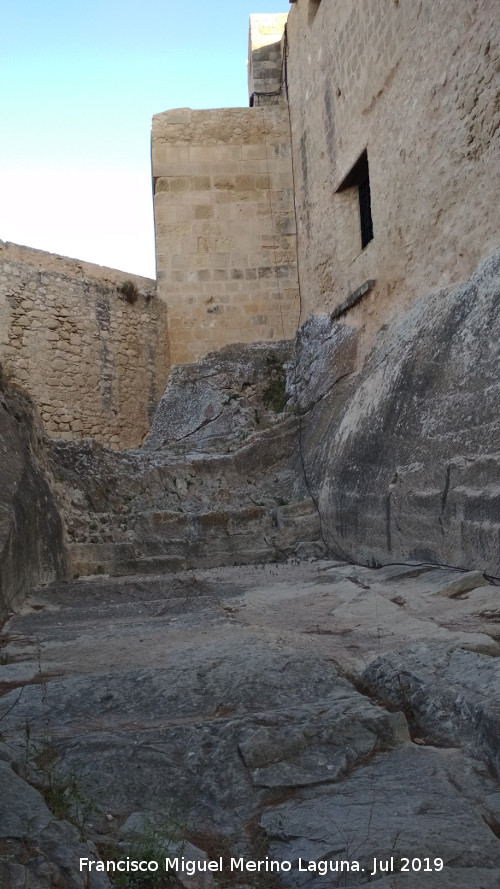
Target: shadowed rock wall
(31, 531)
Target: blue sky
(80, 83)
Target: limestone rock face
(408, 793)
(404, 458)
(31, 531)
(450, 695)
(218, 481)
(223, 398)
(324, 354)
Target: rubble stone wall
(94, 362)
(413, 83)
(225, 227)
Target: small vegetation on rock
(129, 291)
(161, 836)
(274, 395)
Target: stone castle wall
(225, 227)
(94, 363)
(413, 84)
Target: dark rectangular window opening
(365, 212)
(358, 177)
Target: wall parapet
(74, 268)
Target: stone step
(165, 542)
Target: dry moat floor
(307, 713)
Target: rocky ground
(315, 712)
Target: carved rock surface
(143, 512)
(219, 479)
(404, 457)
(265, 695)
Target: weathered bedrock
(31, 531)
(399, 461)
(217, 402)
(404, 458)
